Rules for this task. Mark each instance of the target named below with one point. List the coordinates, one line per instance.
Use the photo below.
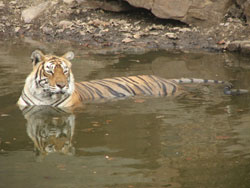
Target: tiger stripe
(120, 87)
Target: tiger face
(56, 77)
(51, 78)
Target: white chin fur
(71, 85)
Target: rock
(109, 5)
(68, 1)
(65, 24)
(171, 36)
(156, 27)
(47, 30)
(239, 46)
(2, 5)
(17, 29)
(4, 18)
(155, 33)
(98, 22)
(184, 30)
(137, 35)
(82, 33)
(234, 46)
(31, 13)
(127, 35)
(13, 2)
(245, 49)
(127, 40)
(8, 24)
(196, 12)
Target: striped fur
(52, 83)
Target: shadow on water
(201, 140)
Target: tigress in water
(52, 83)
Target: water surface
(201, 140)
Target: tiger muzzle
(61, 85)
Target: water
(201, 140)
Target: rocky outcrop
(204, 13)
(29, 14)
(196, 12)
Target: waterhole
(201, 140)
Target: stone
(184, 30)
(239, 46)
(47, 30)
(171, 8)
(65, 24)
(2, 5)
(245, 48)
(98, 22)
(137, 35)
(17, 29)
(155, 33)
(8, 24)
(29, 14)
(68, 1)
(233, 46)
(195, 12)
(156, 27)
(171, 35)
(13, 2)
(108, 5)
(127, 40)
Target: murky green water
(196, 141)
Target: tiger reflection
(51, 129)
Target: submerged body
(52, 83)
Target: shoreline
(134, 31)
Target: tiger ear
(36, 56)
(69, 56)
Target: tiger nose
(61, 85)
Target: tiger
(51, 82)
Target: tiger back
(122, 87)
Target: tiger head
(51, 76)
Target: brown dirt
(134, 31)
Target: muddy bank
(132, 31)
